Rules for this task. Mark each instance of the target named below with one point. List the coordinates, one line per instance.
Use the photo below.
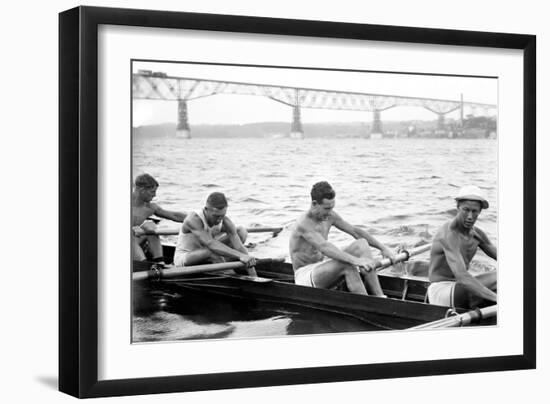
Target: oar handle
(174, 271)
(402, 256)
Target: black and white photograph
(272, 201)
(251, 202)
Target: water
(400, 190)
(162, 314)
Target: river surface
(400, 190)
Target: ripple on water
(252, 200)
(170, 327)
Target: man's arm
(234, 239)
(451, 248)
(485, 244)
(194, 225)
(356, 232)
(331, 251)
(168, 214)
(236, 243)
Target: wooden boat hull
(405, 308)
(404, 287)
(383, 313)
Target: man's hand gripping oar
(392, 259)
(249, 264)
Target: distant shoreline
(274, 130)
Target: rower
(453, 248)
(209, 236)
(319, 263)
(145, 189)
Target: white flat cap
(472, 193)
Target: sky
(241, 109)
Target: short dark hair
(146, 181)
(322, 190)
(216, 200)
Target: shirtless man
(320, 264)
(142, 208)
(209, 236)
(453, 248)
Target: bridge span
(148, 85)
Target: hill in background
(272, 129)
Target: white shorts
(442, 293)
(304, 276)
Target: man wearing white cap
(453, 248)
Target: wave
(491, 217)
(419, 230)
(252, 200)
(400, 231)
(258, 224)
(477, 266)
(168, 326)
(395, 217)
(277, 325)
(428, 177)
(363, 155)
(292, 209)
(278, 214)
(211, 186)
(260, 210)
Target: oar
(460, 320)
(174, 271)
(175, 232)
(402, 256)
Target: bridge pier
(441, 121)
(296, 129)
(376, 130)
(182, 130)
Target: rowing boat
(397, 286)
(405, 308)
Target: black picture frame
(78, 200)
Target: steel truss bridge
(148, 85)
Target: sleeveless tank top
(189, 242)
